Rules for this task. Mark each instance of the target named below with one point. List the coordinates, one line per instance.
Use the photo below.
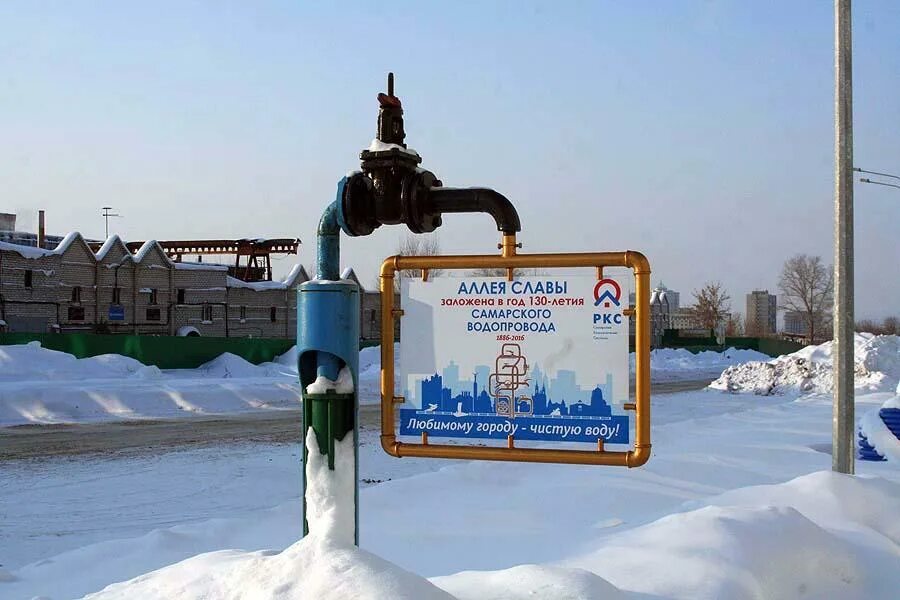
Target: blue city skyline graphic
(560, 395)
(514, 399)
(513, 389)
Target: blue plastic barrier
(891, 418)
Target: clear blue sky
(697, 132)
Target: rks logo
(607, 292)
(607, 295)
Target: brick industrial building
(72, 288)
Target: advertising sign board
(536, 358)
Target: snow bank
(32, 362)
(730, 552)
(313, 568)
(370, 360)
(677, 363)
(288, 359)
(529, 582)
(38, 385)
(864, 505)
(822, 535)
(323, 565)
(228, 365)
(809, 370)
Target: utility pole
(843, 421)
(106, 215)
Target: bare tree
(868, 326)
(501, 272)
(890, 326)
(417, 245)
(488, 272)
(806, 286)
(734, 325)
(753, 328)
(711, 305)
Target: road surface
(153, 436)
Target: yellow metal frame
(510, 260)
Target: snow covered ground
(483, 516)
(38, 385)
(671, 364)
(736, 502)
(809, 371)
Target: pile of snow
(672, 363)
(313, 568)
(289, 359)
(32, 362)
(822, 535)
(228, 366)
(38, 385)
(809, 370)
(370, 361)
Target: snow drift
(809, 370)
(38, 385)
(822, 535)
(678, 363)
(313, 568)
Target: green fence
(771, 346)
(166, 352)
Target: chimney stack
(41, 230)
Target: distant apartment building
(795, 324)
(762, 311)
(684, 319)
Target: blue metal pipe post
(327, 342)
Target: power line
(865, 180)
(858, 170)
